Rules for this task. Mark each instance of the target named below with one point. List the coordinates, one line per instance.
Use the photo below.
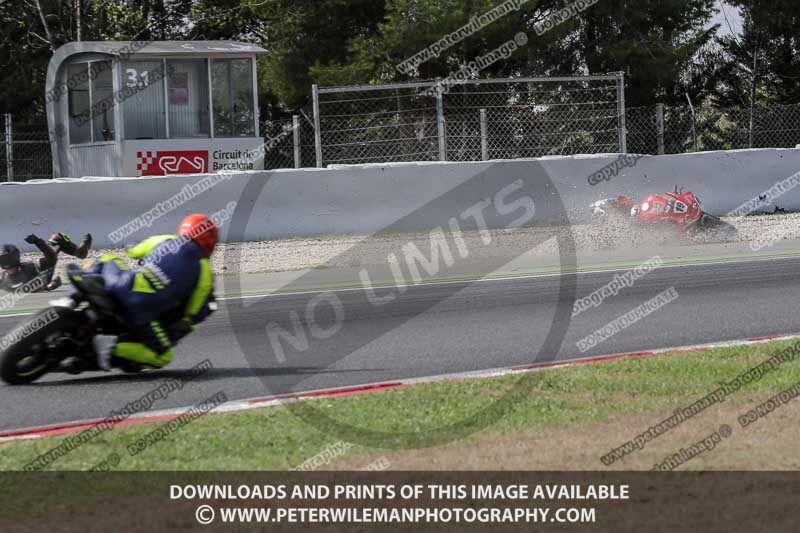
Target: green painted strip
(519, 273)
(540, 271)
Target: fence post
(660, 127)
(694, 121)
(484, 137)
(623, 133)
(440, 122)
(317, 132)
(296, 135)
(9, 149)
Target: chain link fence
(495, 119)
(24, 150)
(380, 124)
(473, 121)
(679, 129)
(290, 143)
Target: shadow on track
(210, 375)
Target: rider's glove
(32, 239)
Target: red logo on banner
(174, 162)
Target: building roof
(122, 48)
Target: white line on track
(498, 278)
(434, 282)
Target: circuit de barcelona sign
(145, 159)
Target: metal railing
(475, 120)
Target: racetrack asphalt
(435, 328)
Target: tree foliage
(763, 61)
(667, 48)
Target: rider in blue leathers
(163, 297)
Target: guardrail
(362, 199)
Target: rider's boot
(75, 365)
(66, 245)
(104, 349)
(129, 367)
(83, 249)
(54, 284)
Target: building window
(90, 101)
(143, 100)
(102, 101)
(232, 94)
(187, 98)
(80, 128)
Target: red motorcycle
(672, 214)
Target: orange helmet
(201, 230)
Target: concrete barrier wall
(381, 197)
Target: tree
(31, 30)
(411, 26)
(303, 37)
(762, 63)
(661, 45)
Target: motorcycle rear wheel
(25, 360)
(718, 228)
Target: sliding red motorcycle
(669, 216)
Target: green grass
(426, 415)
